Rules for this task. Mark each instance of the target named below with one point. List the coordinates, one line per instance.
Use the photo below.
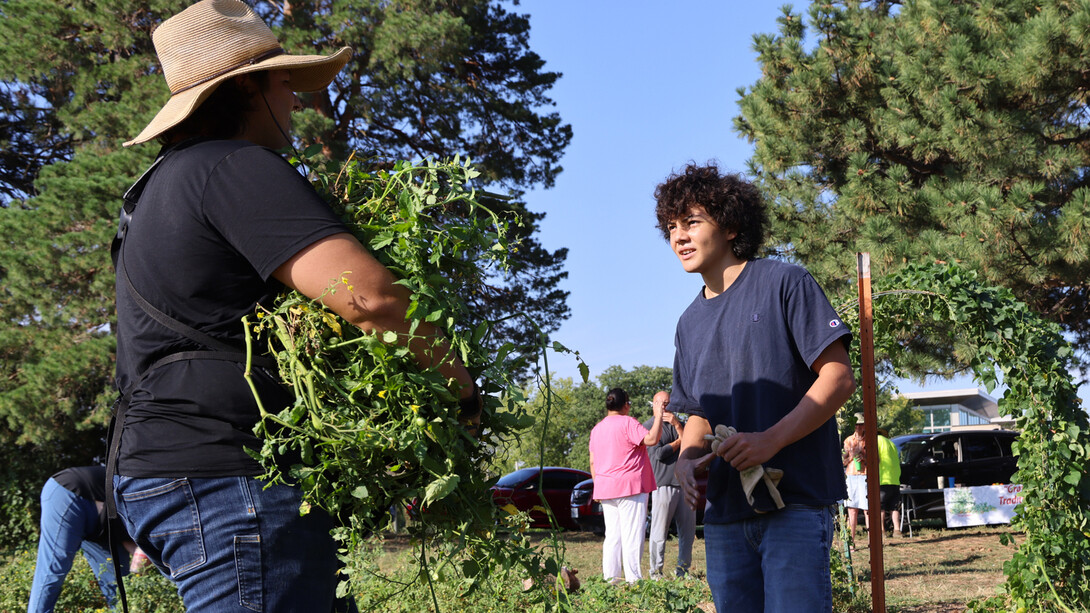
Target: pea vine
(369, 431)
(1001, 339)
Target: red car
(521, 489)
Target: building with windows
(960, 409)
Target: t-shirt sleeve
(680, 399)
(635, 432)
(813, 322)
(265, 209)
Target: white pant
(625, 520)
(857, 492)
(668, 503)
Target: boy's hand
(685, 470)
(747, 449)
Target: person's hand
(139, 562)
(669, 418)
(658, 406)
(747, 449)
(685, 470)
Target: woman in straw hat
(220, 224)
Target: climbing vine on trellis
(998, 338)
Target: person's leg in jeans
(66, 518)
(611, 546)
(633, 511)
(734, 566)
(663, 503)
(795, 560)
(685, 518)
(231, 545)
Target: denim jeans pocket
(166, 511)
(248, 563)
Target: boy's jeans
(778, 562)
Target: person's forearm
(693, 458)
(427, 344)
(676, 443)
(692, 440)
(655, 433)
(344, 276)
(833, 387)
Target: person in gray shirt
(666, 502)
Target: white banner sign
(979, 506)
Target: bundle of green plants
(370, 431)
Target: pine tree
(77, 79)
(931, 131)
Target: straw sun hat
(214, 40)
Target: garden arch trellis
(1001, 337)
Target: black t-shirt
(216, 219)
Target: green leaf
(440, 488)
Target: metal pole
(870, 433)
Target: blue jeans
(230, 544)
(773, 563)
(67, 521)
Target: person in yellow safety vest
(889, 480)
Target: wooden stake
(870, 434)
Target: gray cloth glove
(761, 501)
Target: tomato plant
(370, 431)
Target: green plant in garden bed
(395, 593)
(1000, 335)
(150, 592)
(370, 430)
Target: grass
(939, 571)
(935, 571)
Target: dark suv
(957, 457)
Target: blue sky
(647, 87)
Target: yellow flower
(382, 393)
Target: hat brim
(309, 73)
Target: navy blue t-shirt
(215, 221)
(743, 359)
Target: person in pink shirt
(622, 479)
